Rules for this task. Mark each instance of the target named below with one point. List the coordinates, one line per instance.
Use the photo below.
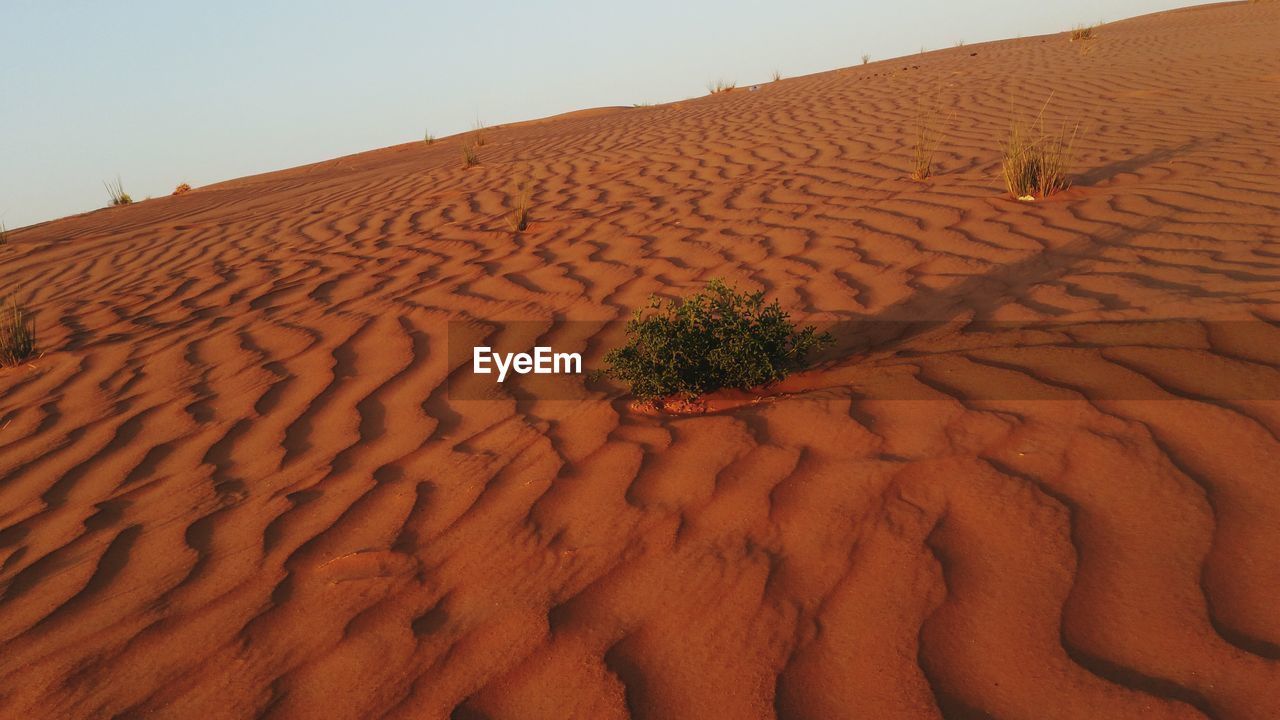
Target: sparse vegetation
(477, 134)
(777, 76)
(116, 191)
(865, 58)
(1082, 32)
(927, 140)
(928, 135)
(4, 234)
(716, 338)
(720, 86)
(518, 221)
(182, 189)
(17, 333)
(1036, 162)
(469, 156)
(428, 138)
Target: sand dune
(1036, 478)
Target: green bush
(717, 338)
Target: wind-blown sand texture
(235, 484)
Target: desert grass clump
(777, 76)
(469, 155)
(1082, 32)
(716, 338)
(720, 86)
(866, 58)
(926, 144)
(518, 220)
(428, 138)
(182, 189)
(927, 139)
(4, 234)
(17, 333)
(927, 136)
(1036, 163)
(477, 133)
(115, 190)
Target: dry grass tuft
(927, 140)
(866, 58)
(1082, 32)
(469, 156)
(518, 221)
(4, 235)
(17, 333)
(182, 189)
(1036, 162)
(428, 138)
(777, 76)
(720, 86)
(116, 192)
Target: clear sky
(166, 92)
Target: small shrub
(1082, 32)
(720, 86)
(518, 221)
(716, 338)
(469, 156)
(117, 194)
(182, 189)
(865, 58)
(1036, 162)
(17, 333)
(777, 76)
(428, 138)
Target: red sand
(235, 486)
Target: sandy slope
(236, 485)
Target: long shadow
(977, 295)
(1102, 173)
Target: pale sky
(161, 93)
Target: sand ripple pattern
(237, 487)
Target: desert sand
(1036, 478)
